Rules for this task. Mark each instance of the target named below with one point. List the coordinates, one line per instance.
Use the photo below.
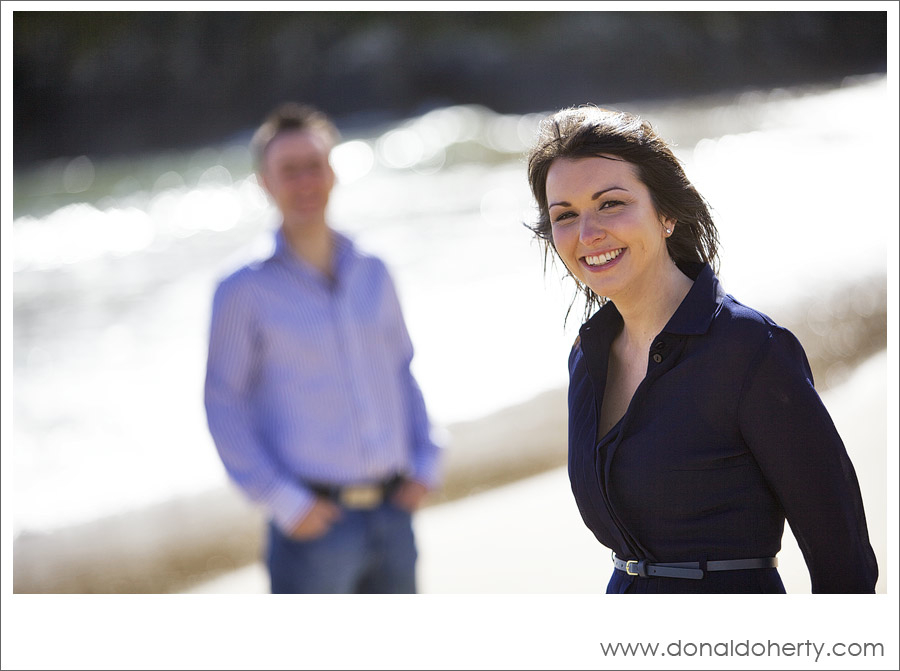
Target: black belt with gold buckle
(692, 570)
(357, 497)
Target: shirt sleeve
(231, 365)
(426, 447)
(797, 446)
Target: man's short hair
(291, 117)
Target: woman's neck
(644, 316)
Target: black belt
(362, 496)
(688, 569)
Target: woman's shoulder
(575, 354)
(750, 326)
(740, 316)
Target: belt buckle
(628, 566)
(361, 497)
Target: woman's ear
(668, 224)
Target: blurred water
(115, 263)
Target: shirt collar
(692, 317)
(344, 249)
(701, 304)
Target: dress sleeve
(231, 366)
(797, 446)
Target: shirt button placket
(354, 361)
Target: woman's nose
(592, 229)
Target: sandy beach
(527, 536)
(504, 487)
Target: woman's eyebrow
(612, 188)
(564, 203)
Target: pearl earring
(668, 231)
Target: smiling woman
(624, 166)
(694, 426)
(607, 230)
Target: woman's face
(605, 226)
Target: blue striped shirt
(309, 380)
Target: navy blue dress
(724, 438)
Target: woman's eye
(562, 216)
(610, 204)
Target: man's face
(296, 173)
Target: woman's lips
(597, 261)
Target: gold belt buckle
(628, 566)
(364, 496)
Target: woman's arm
(797, 446)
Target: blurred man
(309, 395)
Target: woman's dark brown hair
(586, 131)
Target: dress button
(657, 357)
(660, 345)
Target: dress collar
(701, 304)
(692, 317)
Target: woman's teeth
(602, 259)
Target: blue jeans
(365, 552)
